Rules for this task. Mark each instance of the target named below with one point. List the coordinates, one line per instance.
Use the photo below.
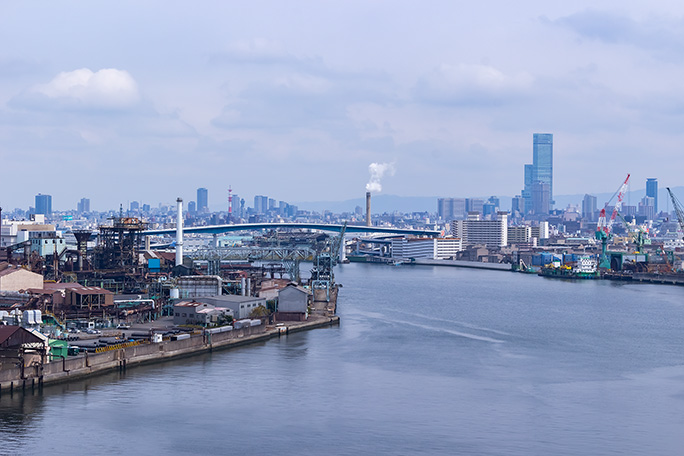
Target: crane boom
(607, 225)
(618, 204)
(678, 208)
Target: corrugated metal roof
(189, 304)
(11, 270)
(61, 285)
(91, 291)
(15, 336)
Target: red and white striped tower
(230, 203)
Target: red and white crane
(604, 227)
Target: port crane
(639, 235)
(604, 226)
(678, 208)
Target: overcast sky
(130, 100)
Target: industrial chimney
(179, 232)
(82, 237)
(368, 214)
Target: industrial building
(13, 278)
(242, 306)
(293, 303)
(199, 313)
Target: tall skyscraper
(541, 170)
(260, 204)
(540, 198)
(236, 206)
(83, 206)
(43, 204)
(647, 207)
(652, 191)
(527, 189)
(542, 161)
(589, 207)
(517, 205)
(202, 200)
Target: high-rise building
(589, 207)
(541, 202)
(134, 206)
(542, 161)
(541, 170)
(491, 207)
(527, 189)
(652, 191)
(202, 200)
(517, 205)
(647, 208)
(492, 233)
(260, 204)
(192, 207)
(451, 208)
(474, 205)
(83, 206)
(236, 206)
(43, 204)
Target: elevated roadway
(220, 229)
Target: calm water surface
(426, 361)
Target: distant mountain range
(391, 203)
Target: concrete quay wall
(464, 264)
(91, 364)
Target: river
(426, 360)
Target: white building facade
(491, 233)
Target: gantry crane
(604, 227)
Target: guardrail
(119, 346)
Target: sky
(147, 101)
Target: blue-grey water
(427, 360)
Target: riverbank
(91, 364)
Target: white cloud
(471, 84)
(108, 89)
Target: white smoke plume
(377, 170)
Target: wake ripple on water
(450, 331)
(461, 323)
(382, 317)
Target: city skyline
(449, 94)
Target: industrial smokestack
(179, 232)
(368, 215)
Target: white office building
(491, 233)
(430, 248)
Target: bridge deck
(220, 229)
